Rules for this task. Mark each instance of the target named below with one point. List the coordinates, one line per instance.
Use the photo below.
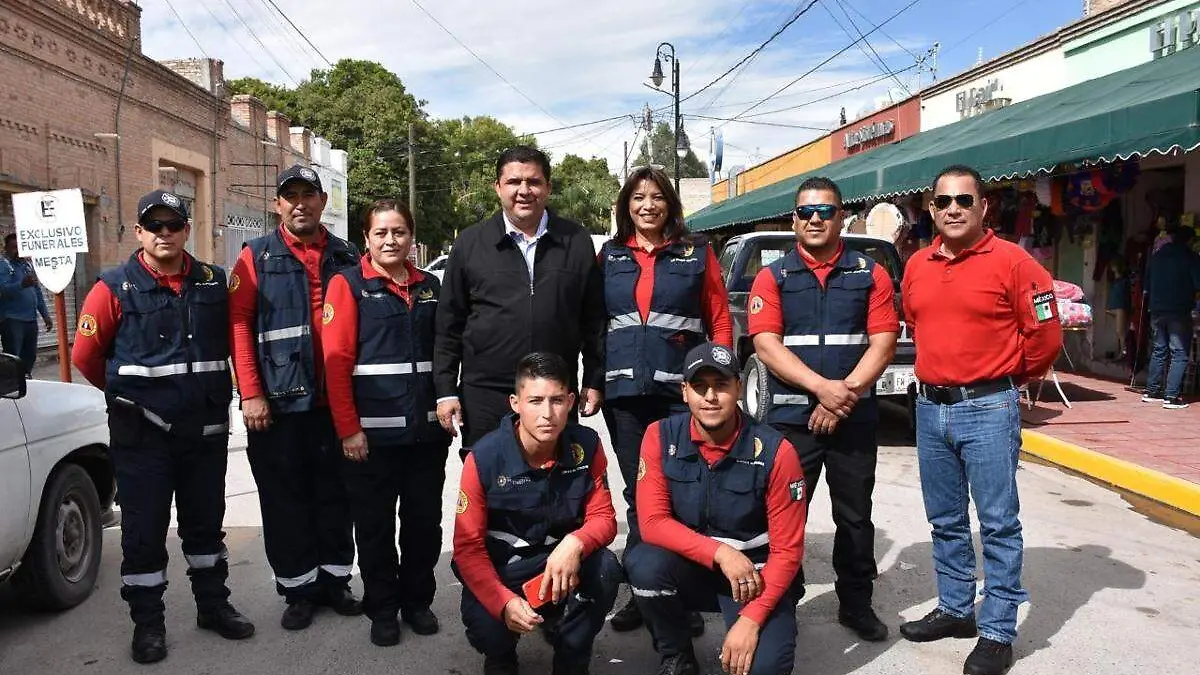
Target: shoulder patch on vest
(641, 468)
(689, 250)
(463, 503)
(577, 453)
(326, 314)
(207, 271)
(758, 447)
(87, 325)
(425, 295)
(862, 263)
(234, 282)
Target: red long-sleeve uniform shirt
(470, 531)
(100, 318)
(786, 516)
(339, 341)
(988, 313)
(766, 308)
(714, 300)
(243, 312)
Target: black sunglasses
(823, 211)
(156, 226)
(942, 202)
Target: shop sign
(868, 133)
(968, 101)
(51, 229)
(1174, 33)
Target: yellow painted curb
(1175, 492)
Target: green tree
(465, 167)
(584, 190)
(273, 96)
(659, 148)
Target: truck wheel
(754, 389)
(60, 568)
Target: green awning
(1154, 107)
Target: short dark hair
(523, 154)
(385, 205)
(819, 183)
(674, 228)
(9, 237)
(542, 366)
(959, 170)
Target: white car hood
(52, 409)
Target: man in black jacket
(521, 281)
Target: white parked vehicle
(438, 266)
(56, 481)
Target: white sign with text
(51, 229)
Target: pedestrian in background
(664, 295)
(1172, 281)
(534, 506)
(154, 335)
(824, 324)
(524, 280)
(984, 314)
(276, 304)
(21, 300)
(378, 344)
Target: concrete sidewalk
(1110, 435)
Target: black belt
(952, 395)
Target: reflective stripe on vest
(284, 333)
(383, 422)
(837, 339)
(392, 368)
(173, 369)
(745, 545)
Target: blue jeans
(973, 445)
(1173, 331)
(19, 338)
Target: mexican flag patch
(796, 488)
(1043, 306)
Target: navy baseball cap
(301, 173)
(710, 355)
(162, 198)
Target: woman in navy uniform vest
(378, 323)
(664, 295)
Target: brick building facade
(83, 107)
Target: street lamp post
(666, 50)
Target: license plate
(894, 382)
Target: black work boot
(564, 667)
(342, 601)
(149, 643)
(695, 624)
(298, 615)
(627, 618)
(865, 623)
(422, 620)
(937, 625)
(505, 664)
(679, 664)
(385, 632)
(225, 621)
(989, 658)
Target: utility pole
(625, 166)
(412, 170)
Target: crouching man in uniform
(721, 508)
(534, 501)
(154, 335)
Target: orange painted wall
(720, 191)
(792, 163)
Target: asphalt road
(1112, 592)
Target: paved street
(1112, 592)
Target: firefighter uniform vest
(285, 344)
(529, 509)
(170, 356)
(728, 501)
(826, 328)
(646, 358)
(393, 372)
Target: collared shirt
(526, 245)
(19, 302)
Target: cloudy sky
(539, 66)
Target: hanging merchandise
(1109, 237)
(1086, 192)
(1042, 188)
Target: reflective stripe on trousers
(147, 580)
(158, 421)
(296, 582)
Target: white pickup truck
(56, 482)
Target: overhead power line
(884, 33)
(765, 124)
(260, 42)
(823, 63)
(977, 31)
(865, 46)
(779, 31)
(876, 80)
(226, 30)
(299, 32)
(186, 29)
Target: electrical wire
(239, 43)
(765, 124)
(985, 26)
(823, 63)
(877, 79)
(186, 29)
(299, 32)
(882, 32)
(878, 60)
(260, 42)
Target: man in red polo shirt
(983, 314)
(825, 326)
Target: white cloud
(578, 61)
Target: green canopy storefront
(1151, 108)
